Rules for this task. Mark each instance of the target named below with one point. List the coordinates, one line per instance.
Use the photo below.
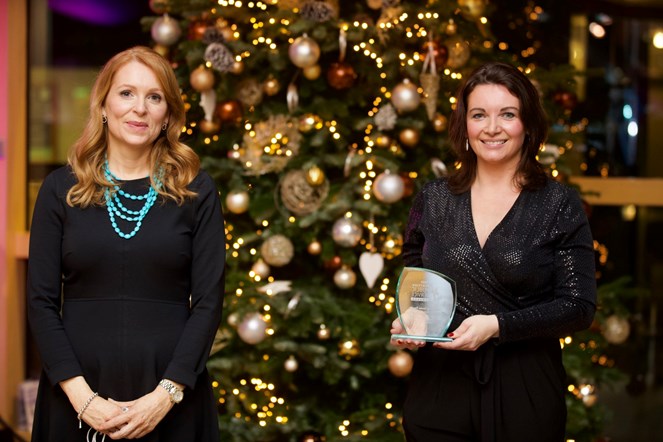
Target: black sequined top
(536, 271)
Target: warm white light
(596, 30)
(658, 40)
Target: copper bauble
(408, 184)
(383, 141)
(400, 364)
(314, 247)
(271, 86)
(409, 137)
(341, 75)
(202, 79)
(229, 111)
(209, 126)
(440, 53)
(333, 264)
(439, 123)
(197, 29)
(312, 72)
(567, 100)
(237, 67)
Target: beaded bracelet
(87, 404)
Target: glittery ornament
(616, 329)
(219, 57)
(386, 117)
(299, 196)
(319, 11)
(459, 51)
(277, 250)
(270, 145)
(211, 35)
(472, 9)
(430, 83)
(249, 92)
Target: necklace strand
(115, 207)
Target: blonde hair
(179, 163)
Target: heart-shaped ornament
(371, 265)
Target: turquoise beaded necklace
(116, 208)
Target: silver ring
(125, 409)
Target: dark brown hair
(530, 173)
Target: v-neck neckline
(504, 219)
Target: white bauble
(388, 187)
(346, 233)
(405, 96)
(291, 364)
(165, 30)
(252, 328)
(616, 329)
(260, 268)
(304, 52)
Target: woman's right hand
(411, 344)
(98, 411)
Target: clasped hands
(470, 334)
(128, 420)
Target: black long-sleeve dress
(126, 313)
(536, 273)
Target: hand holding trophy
(425, 302)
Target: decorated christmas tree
(320, 119)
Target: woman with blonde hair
(126, 270)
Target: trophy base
(422, 338)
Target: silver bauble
(388, 187)
(166, 30)
(237, 201)
(252, 328)
(405, 96)
(233, 319)
(291, 364)
(345, 278)
(304, 51)
(277, 250)
(346, 233)
(260, 268)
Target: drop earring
(467, 145)
(104, 119)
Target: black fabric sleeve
(207, 287)
(45, 281)
(574, 302)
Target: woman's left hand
(140, 417)
(472, 333)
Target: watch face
(178, 396)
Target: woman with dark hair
(519, 247)
(126, 270)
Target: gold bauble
(209, 126)
(323, 333)
(271, 86)
(315, 176)
(400, 364)
(349, 349)
(237, 201)
(409, 137)
(312, 72)
(201, 79)
(314, 248)
(237, 67)
(451, 28)
(439, 122)
(374, 4)
(472, 9)
(383, 141)
(161, 50)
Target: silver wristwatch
(176, 395)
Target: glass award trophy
(425, 302)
